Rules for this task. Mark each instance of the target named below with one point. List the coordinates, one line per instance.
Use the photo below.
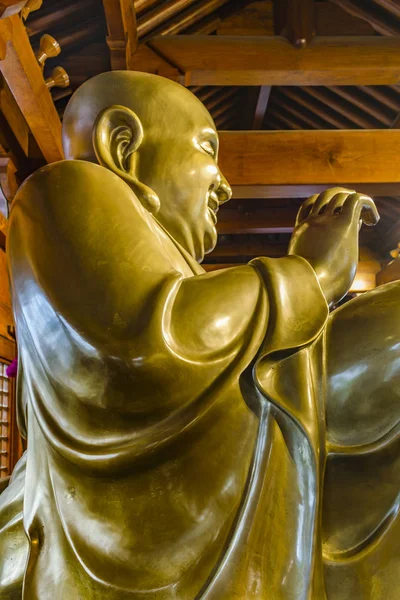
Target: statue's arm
(326, 235)
(98, 257)
(80, 240)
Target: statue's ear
(117, 135)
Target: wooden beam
(241, 60)
(310, 157)
(10, 145)
(24, 78)
(267, 221)
(261, 106)
(145, 59)
(248, 249)
(305, 190)
(122, 32)
(295, 19)
(15, 118)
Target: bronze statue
(192, 435)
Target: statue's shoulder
(71, 183)
(84, 205)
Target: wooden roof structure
(305, 94)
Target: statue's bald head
(160, 139)
(160, 104)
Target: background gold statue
(212, 436)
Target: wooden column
(295, 19)
(122, 32)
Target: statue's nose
(224, 191)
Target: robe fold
(176, 419)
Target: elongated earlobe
(117, 135)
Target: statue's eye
(207, 147)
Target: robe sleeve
(81, 241)
(86, 259)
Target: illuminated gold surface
(191, 435)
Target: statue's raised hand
(326, 235)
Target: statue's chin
(210, 241)
(198, 242)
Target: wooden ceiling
(305, 92)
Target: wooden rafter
(310, 157)
(287, 190)
(25, 81)
(242, 60)
(332, 19)
(359, 8)
(261, 106)
(396, 122)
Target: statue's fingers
(369, 213)
(305, 209)
(326, 197)
(336, 204)
(360, 207)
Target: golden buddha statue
(192, 435)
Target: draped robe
(177, 420)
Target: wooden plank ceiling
(325, 66)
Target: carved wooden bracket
(30, 6)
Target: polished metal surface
(192, 435)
